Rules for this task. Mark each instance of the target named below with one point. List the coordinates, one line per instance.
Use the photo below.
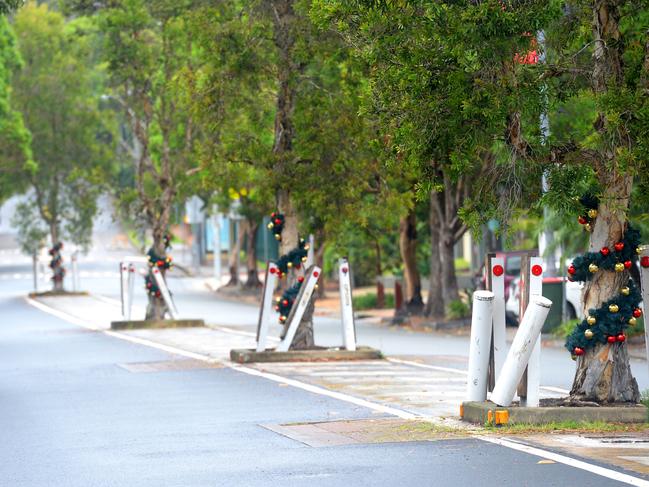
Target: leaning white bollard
(346, 309)
(299, 307)
(481, 318)
(521, 350)
(644, 286)
(164, 290)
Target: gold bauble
(587, 227)
(307, 246)
(278, 299)
(613, 308)
(270, 226)
(592, 213)
(619, 267)
(289, 264)
(304, 259)
(593, 268)
(589, 334)
(315, 287)
(633, 321)
(591, 320)
(278, 236)
(638, 250)
(625, 290)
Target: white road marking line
(246, 370)
(571, 462)
(555, 389)
(426, 366)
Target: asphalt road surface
(80, 408)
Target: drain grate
(168, 366)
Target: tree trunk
(408, 247)
(435, 304)
(603, 372)
(252, 281)
(156, 307)
(233, 258)
(449, 280)
(58, 271)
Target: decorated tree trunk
(158, 258)
(56, 264)
(609, 300)
(408, 248)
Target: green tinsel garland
(608, 323)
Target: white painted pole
(644, 286)
(499, 327)
(164, 290)
(346, 307)
(521, 350)
(534, 365)
(481, 319)
(123, 285)
(129, 290)
(216, 223)
(299, 306)
(75, 271)
(266, 309)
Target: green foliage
(370, 301)
(457, 309)
(57, 92)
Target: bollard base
(246, 356)
(136, 324)
(489, 413)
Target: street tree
(71, 141)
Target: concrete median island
(246, 356)
(136, 324)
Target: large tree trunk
(435, 304)
(449, 280)
(603, 372)
(252, 282)
(58, 271)
(156, 307)
(408, 247)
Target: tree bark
(156, 307)
(252, 281)
(233, 258)
(435, 304)
(450, 290)
(58, 271)
(408, 247)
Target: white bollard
(216, 223)
(123, 286)
(299, 307)
(310, 254)
(481, 319)
(266, 309)
(129, 290)
(346, 308)
(164, 290)
(499, 327)
(534, 365)
(644, 287)
(521, 350)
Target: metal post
(310, 255)
(35, 271)
(346, 307)
(75, 270)
(266, 309)
(644, 285)
(481, 319)
(129, 290)
(123, 284)
(299, 307)
(521, 350)
(216, 222)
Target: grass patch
(568, 427)
(462, 264)
(369, 301)
(457, 309)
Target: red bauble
(157, 294)
(277, 221)
(644, 261)
(571, 270)
(637, 313)
(285, 302)
(498, 270)
(300, 279)
(579, 351)
(605, 251)
(621, 337)
(272, 214)
(537, 270)
(611, 339)
(628, 264)
(273, 270)
(582, 220)
(277, 308)
(619, 246)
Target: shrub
(457, 309)
(368, 301)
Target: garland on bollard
(608, 323)
(56, 264)
(293, 260)
(162, 262)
